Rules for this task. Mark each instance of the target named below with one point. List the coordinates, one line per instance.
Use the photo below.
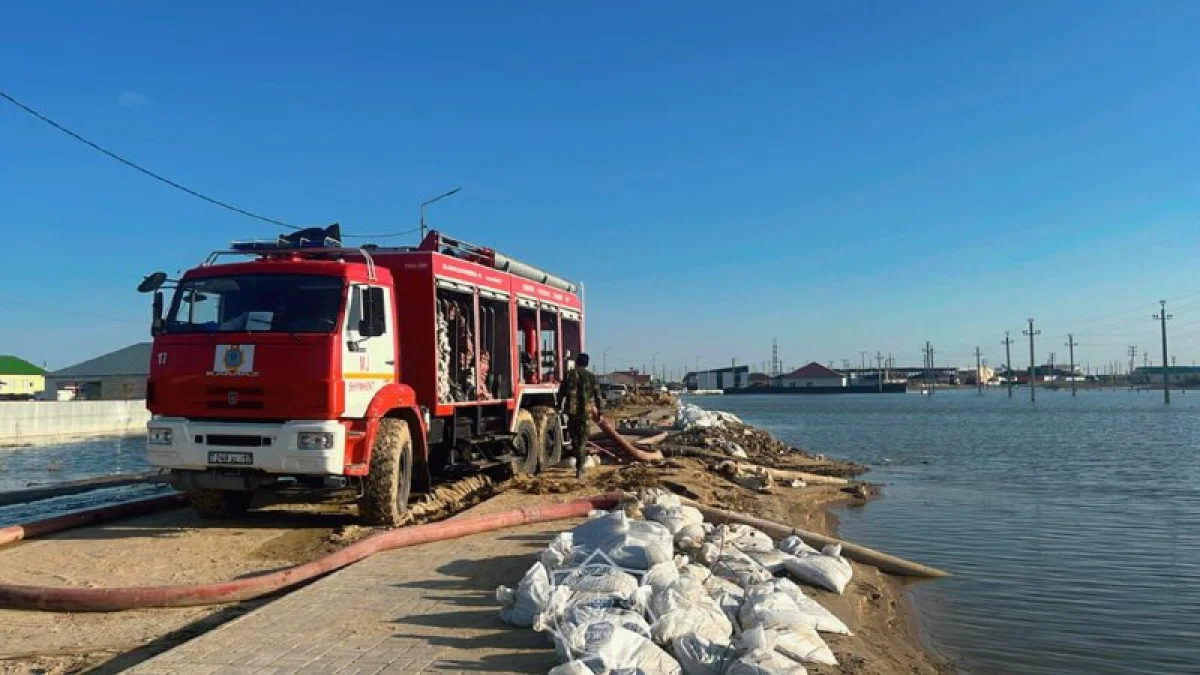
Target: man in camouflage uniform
(579, 397)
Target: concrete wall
(22, 421)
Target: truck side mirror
(374, 314)
(156, 319)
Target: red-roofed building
(812, 375)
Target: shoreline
(889, 634)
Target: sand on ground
(178, 547)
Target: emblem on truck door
(232, 398)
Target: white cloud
(131, 99)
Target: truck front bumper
(179, 443)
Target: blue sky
(841, 176)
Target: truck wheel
(550, 431)
(221, 503)
(527, 450)
(389, 480)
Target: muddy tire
(221, 503)
(527, 450)
(389, 481)
(550, 434)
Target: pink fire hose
(627, 447)
(59, 599)
(140, 507)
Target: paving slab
(429, 608)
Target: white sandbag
(521, 607)
(794, 545)
(659, 497)
(742, 537)
(803, 644)
(632, 544)
(823, 620)
(674, 518)
(700, 656)
(760, 657)
(661, 575)
(768, 608)
(616, 648)
(771, 560)
(572, 668)
(685, 592)
(795, 632)
(740, 568)
(689, 537)
(558, 552)
(601, 579)
(704, 619)
(827, 569)
(730, 603)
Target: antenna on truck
(427, 203)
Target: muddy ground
(178, 547)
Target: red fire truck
(383, 370)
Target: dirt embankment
(178, 547)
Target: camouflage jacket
(578, 392)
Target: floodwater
(46, 463)
(1072, 525)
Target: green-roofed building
(20, 379)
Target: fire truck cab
(384, 370)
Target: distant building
(1176, 375)
(630, 378)
(812, 375)
(733, 377)
(19, 378)
(759, 380)
(114, 376)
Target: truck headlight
(159, 436)
(314, 440)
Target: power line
(132, 165)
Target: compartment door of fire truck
(368, 363)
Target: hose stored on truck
(59, 599)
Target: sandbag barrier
(59, 599)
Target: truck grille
(237, 440)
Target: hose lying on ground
(77, 486)
(627, 447)
(90, 517)
(189, 595)
(883, 561)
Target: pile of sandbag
(691, 416)
(673, 594)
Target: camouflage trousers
(577, 429)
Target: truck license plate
(238, 458)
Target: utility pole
(879, 369)
(775, 366)
(1072, 344)
(862, 361)
(1053, 376)
(978, 370)
(1162, 317)
(1008, 362)
(1132, 363)
(1032, 365)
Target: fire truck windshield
(283, 303)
